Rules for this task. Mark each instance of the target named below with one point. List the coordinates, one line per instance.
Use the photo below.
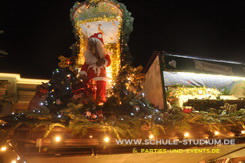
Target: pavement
(190, 155)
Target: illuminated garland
(158, 124)
(195, 91)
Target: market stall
(176, 80)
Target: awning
(179, 63)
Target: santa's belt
(96, 69)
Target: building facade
(16, 92)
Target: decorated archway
(106, 16)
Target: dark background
(37, 32)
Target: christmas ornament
(187, 109)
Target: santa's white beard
(90, 58)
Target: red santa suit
(97, 73)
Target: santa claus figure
(96, 60)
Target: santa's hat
(97, 36)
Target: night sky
(37, 32)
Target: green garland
(124, 126)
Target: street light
(186, 134)
(106, 139)
(57, 139)
(3, 148)
(216, 133)
(151, 136)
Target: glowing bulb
(14, 161)
(186, 134)
(216, 133)
(151, 136)
(90, 136)
(106, 139)
(243, 132)
(3, 149)
(57, 138)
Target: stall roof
(181, 63)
